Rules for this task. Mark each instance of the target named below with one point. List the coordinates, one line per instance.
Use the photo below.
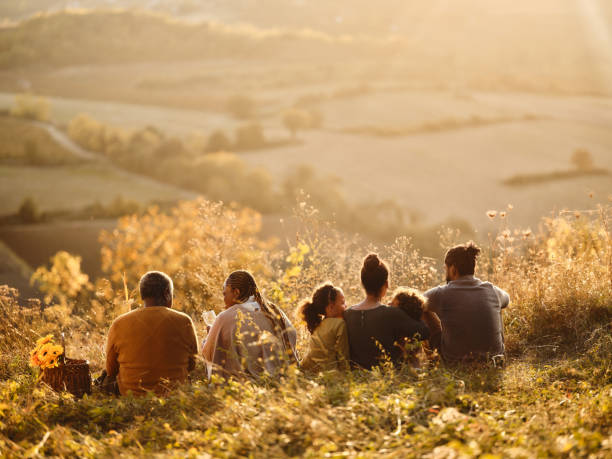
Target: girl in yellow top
(329, 348)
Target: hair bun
(472, 249)
(372, 261)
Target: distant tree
(218, 141)
(170, 148)
(241, 106)
(295, 120)
(31, 107)
(582, 160)
(28, 211)
(88, 132)
(250, 136)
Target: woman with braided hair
(252, 336)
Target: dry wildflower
(577, 215)
(502, 214)
(510, 207)
(491, 214)
(527, 233)
(506, 234)
(591, 194)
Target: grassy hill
(553, 399)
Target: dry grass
(553, 403)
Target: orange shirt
(150, 348)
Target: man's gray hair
(157, 286)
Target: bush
(582, 160)
(250, 137)
(198, 244)
(31, 107)
(295, 119)
(218, 141)
(28, 211)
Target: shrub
(294, 120)
(88, 133)
(31, 107)
(28, 211)
(198, 244)
(63, 281)
(250, 136)
(218, 141)
(582, 160)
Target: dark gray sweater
(374, 333)
(470, 312)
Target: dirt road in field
(62, 139)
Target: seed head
(491, 214)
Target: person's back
(374, 334)
(243, 341)
(322, 314)
(469, 309)
(470, 312)
(329, 348)
(154, 346)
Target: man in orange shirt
(153, 347)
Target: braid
(244, 282)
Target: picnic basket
(70, 375)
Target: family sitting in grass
(154, 347)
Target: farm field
(74, 187)
(130, 116)
(36, 244)
(457, 173)
(506, 134)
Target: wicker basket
(72, 376)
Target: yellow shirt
(150, 347)
(329, 347)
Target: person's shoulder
(435, 290)
(227, 314)
(333, 323)
(178, 314)
(395, 312)
(126, 317)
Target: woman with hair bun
(329, 348)
(377, 332)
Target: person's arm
(208, 348)
(407, 327)
(504, 298)
(192, 338)
(112, 355)
(342, 347)
(433, 300)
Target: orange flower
(46, 354)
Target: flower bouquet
(57, 370)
